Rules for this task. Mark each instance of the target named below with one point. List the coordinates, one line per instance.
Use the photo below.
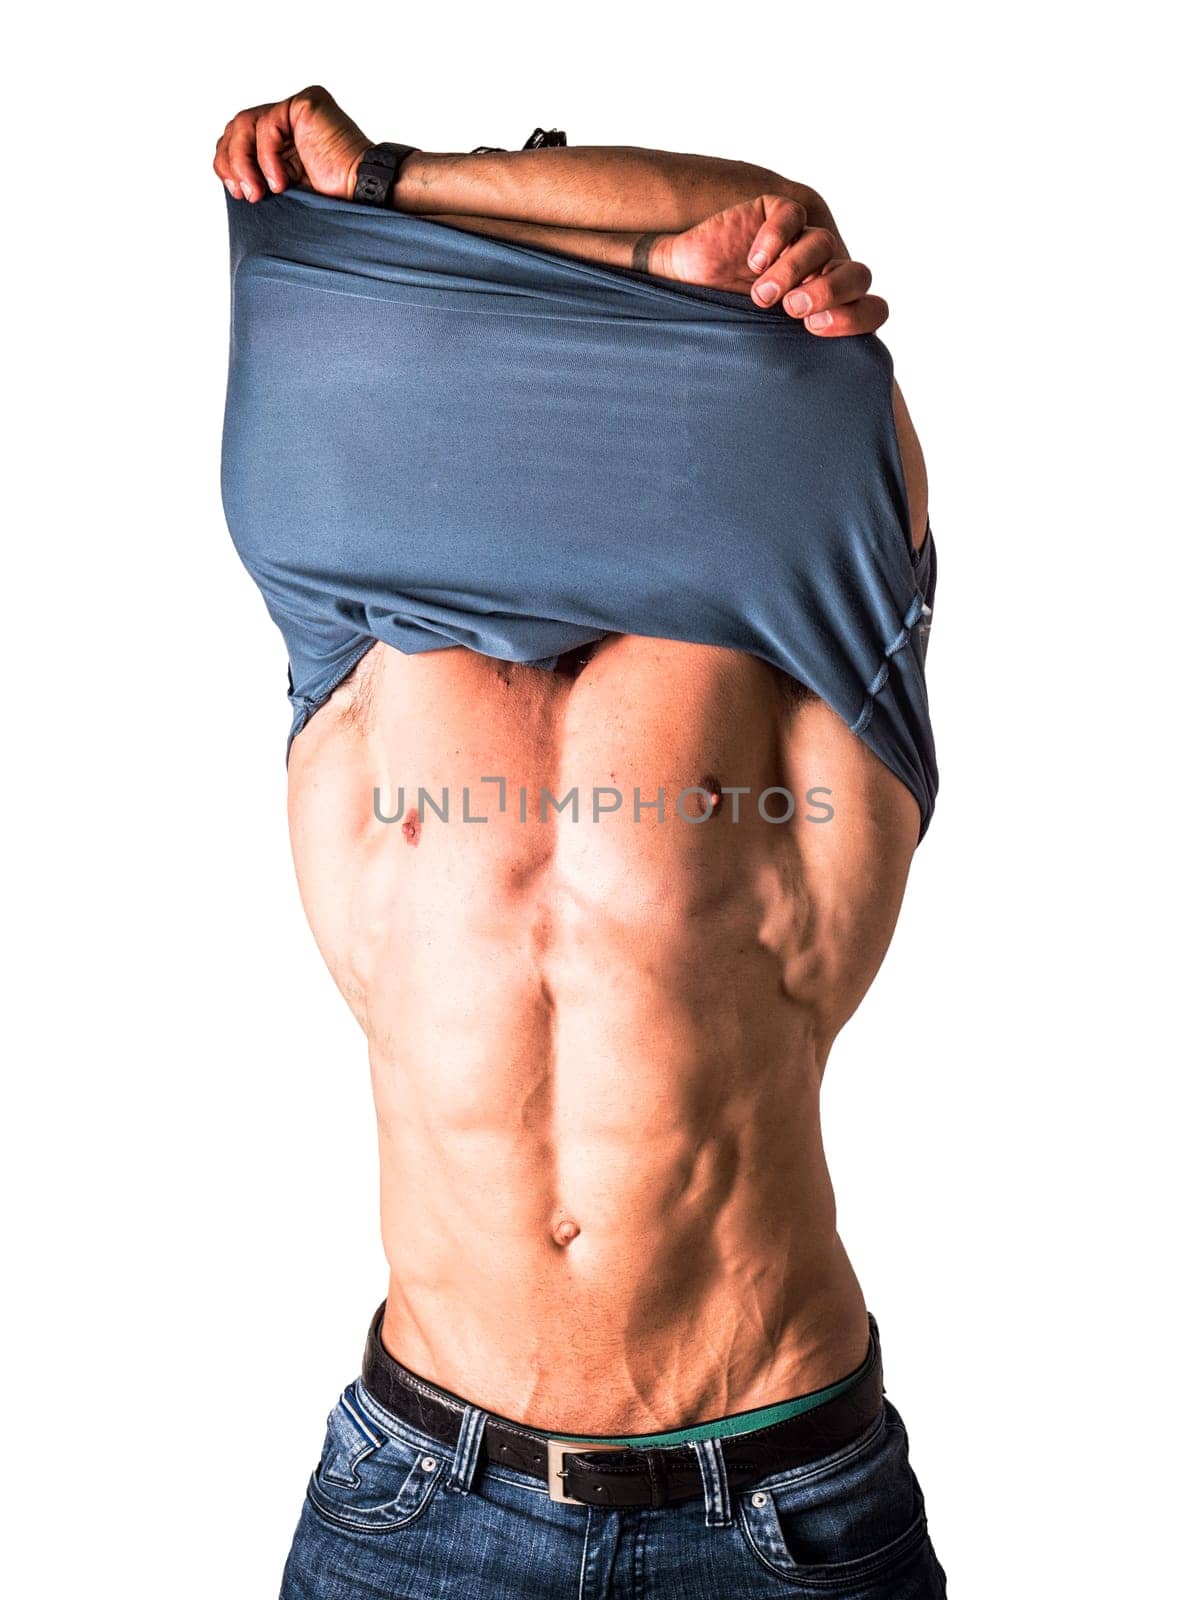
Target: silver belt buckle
(555, 1450)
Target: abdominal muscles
(597, 1025)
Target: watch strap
(378, 171)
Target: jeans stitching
(836, 1574)
(327, 1509)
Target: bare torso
(597, 1045)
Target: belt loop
(466, 1451)
(718, 1508)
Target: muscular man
(597, 1050)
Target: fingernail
(272, 185)
(766, 293)
(799, 303)
(232, 187)
(820, 319)
(246, 189)
(758, 261)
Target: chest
(637, 764)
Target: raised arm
(606, 187)
(700, 219)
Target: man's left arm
(618, 188)
(803, 266)
(700, 219)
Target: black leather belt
(621, 1475)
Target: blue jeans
(394, 1514)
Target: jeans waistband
(593, 1473)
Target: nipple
(713, 797)
(565, 1231)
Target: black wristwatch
(378, 171)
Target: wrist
(351, 177)
(374, 175)
(662, 256)
(652, 253)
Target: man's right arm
(309, 139)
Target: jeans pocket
(367, 1480)
(841, 1524)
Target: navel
(566, 1230)
(411, 827)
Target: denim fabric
(433, 438)
(393, 1514)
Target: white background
(189, 1157)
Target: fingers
(828, 293)
(864, 316)
(236, 159)
(783, 223)
(221, 165)
(808, 254)
(243, 159)
(839, 284)
(272, 132)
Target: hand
(306, 140)
(766, 249)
